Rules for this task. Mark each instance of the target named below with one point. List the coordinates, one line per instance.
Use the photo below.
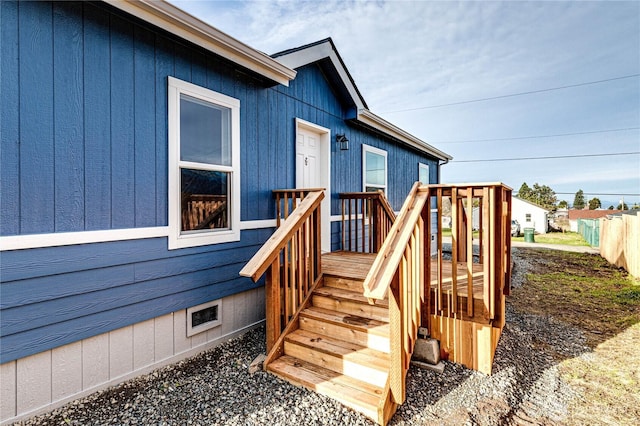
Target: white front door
(308, 159)
(313, 169)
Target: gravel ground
(215, 387)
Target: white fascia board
(309, 55)
(190, 28)
(372, 120)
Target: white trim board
(176, 21)
(32, 241)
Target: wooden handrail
(287, 200)
(269, 251)
(398, 271)
(366, 220)
(291, 261)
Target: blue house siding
(84, 148)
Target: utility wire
(537, 137)
(598, 193)
(545, 158)
(530, 92)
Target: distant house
(575, 215)
(529, 215)
(122, 232)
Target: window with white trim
(204, 166)
(423, 173)
(374, 169)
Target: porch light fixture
(343, 142)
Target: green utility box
(528, 235)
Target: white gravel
(215, 387)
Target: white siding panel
(95, 361)
(143, 344)
(228, 309)
(163, 336)
(33, 382)
(7, 390)
(66, 370)
(198, 339)
(181, 342)
(120, 351)
(214, 333)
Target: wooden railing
(366, 220)
(288, 199)
(399, 271)
(492, 222)
(291, 261)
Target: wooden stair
(341, 346)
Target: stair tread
(347, 264)
(339, 348)
(342, 294)
(361, 396)
(368, 325)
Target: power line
(599, 193)
(530, 92)
(545, 158)
(538, 136)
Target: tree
(541, 195)
(524, 192)
(578, 201)
(594, 203)
(623, 206)
(544, 196)
(563, 204)
(610, 208)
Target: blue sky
(409, 57)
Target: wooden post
(470, 252)
(439, 261)
(455, 231)
(396, 373)
(272, 301)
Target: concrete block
(438, 368)
(427, 350)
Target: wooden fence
(620, 242)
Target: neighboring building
(575, 215)
(122, 237)
(529, 215)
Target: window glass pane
(204, 200)
(423, 174)
(204, 132)
(375, 173)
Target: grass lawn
(566, 238)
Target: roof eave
(370, 119)
(314, 52)
(190, 28)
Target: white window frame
(423, 166)
(374, 150)
(178, 240)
